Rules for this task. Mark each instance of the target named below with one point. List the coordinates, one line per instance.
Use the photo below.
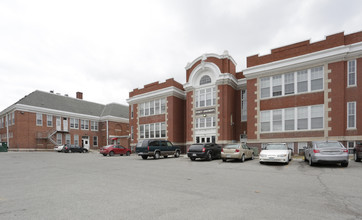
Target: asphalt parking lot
(50, 185)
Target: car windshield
(232, 146)
(107, 146)
(328, 145)
(276, 147)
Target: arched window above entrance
(205, 80)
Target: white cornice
(114, 119)
(160, 93)
(206, 55)
(326, 56)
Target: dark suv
(156, 148)
(358, 151)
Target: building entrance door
(205, 139)
(85, 142)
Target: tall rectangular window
(208, 97)
(94, 126)
(84, 124)
(277, 85)
(317, 116)
(197, 99)
(157, 130)
(265, 87)
(76, 140)
(302, 118)
(214, 96)
(163, 106)
(152, 107)
(76, 123)
(352, 73)
(265, 121)
(163, 129)
(142, 109)
(50, 120)
(289, 119)
(316, 78)
(147, 108)
(302, 81)
(39, 119)
(67, 139)
(244, 106)
(351, 115)
(277, 120)
(152, 130)
(157, 107)
(59, 139)
(95, 141)
(202, 98)
(132, 133)
(142, 131)
(13, 118)
(289, 83)
(131, 111)
(147, 131)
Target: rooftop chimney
(79, 95)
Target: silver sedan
(326, 152)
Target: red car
(114, 149)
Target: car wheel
(344, 164)
(157, 156)
(356, 158)
(261, 162)
(165, 156)
(104, 154)
(192, 158)
(287, 161)
(310, 161)
(84, 150)
(144, 157)
(252, 156)
(70, 151)
(223, 160)
(177, 154)
(209, 156)
(242, 158)
(111, 153)
(305, 158)
(128, 153)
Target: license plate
(271, 158)
(228, 156)
(194, 155)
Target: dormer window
(205, 80)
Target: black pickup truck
(156, 148)
(206, 151)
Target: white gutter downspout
(107, 132)
(7, 130)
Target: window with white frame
(154, 130)
(131, 132)
(205, 122)
(39, 119)
(84, 124)
(316, 81)
(265, 87)
(289, 118)
(154, 107)
(67, 139)
(350, 146)
(94, 125)
(59, 139)
(302, 118)
(205, 97)
(351, 115)
(351, 73)
(147, 108)
(302, 81)
(289, 84)
(301, 146)
(157, 107)
(74, 123)
(95, 141)
(277, 85)
(292, 119)
(205, 80)
(265, 121)
(13, 118)
(131, 111)
(142, 109)
(244, 107)
(50, 120)
(76, 139)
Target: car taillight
(345, 150)
(237, 150)
(148, 148)
(316, 151)
(203, 149)
(222, 149)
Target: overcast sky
(107, 48)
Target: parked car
(156, 148)
(326, 152)
(206, 151)
(75, 148)
(357, 151)
(59, 148)
(111, 150)
(237, 151)
(276, 152)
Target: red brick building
(41, 120)
(297, 93)
(306, 91)
(207, 108)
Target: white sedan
(59, 148)
(276, 152)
